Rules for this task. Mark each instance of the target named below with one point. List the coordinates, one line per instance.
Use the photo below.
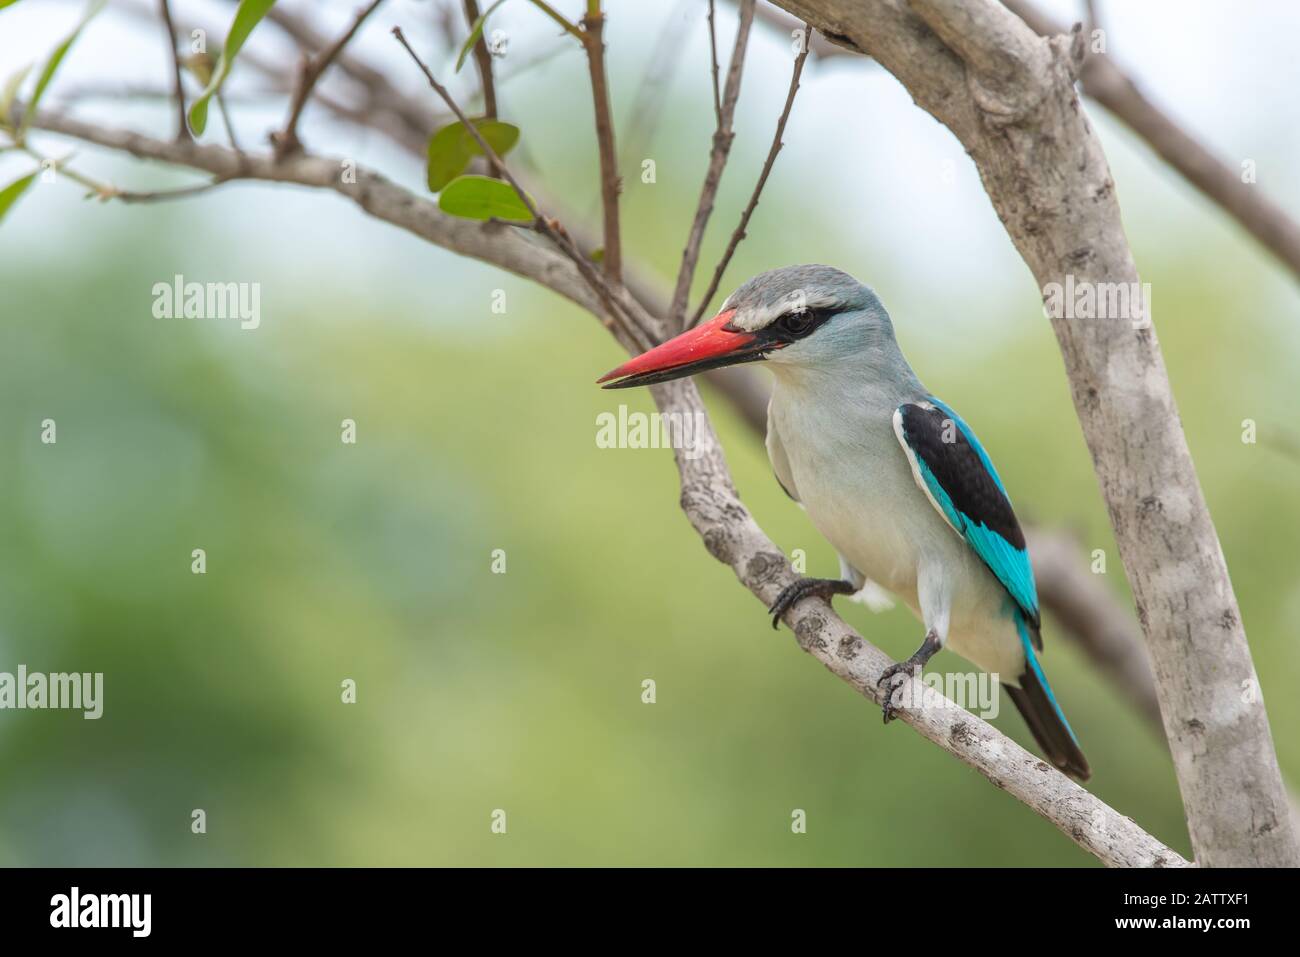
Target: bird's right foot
(797, 591)
(888, 707)
(912, 667)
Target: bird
(890, 475)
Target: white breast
(851, 477)
(856, 483)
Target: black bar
(236, 905)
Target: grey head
(825, 316)
(772, 294)
(798, 318)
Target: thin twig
(722, 137)
(551, 12)
(72, 93)
(492, 156)
(483, 60)
(549, 227)
(286, 141)
(713, 56)
(181, 192)
(182, 126)
(225, 121)
(593, 25)
(822, 48)
(59, 167)
(739, 234)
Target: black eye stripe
(787, 328)
(796, 325)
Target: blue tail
(1037, 705)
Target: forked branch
(309, 71)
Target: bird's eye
(797, 324)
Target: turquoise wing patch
(953, 467)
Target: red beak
(708, 346)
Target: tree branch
(1009, 98)
(722, 137)
(1093, 618)
(507, 247)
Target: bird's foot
(912, 666)
(887, 705)
(797, 591)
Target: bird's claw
(798, 590)
(912, 666)
(887, 707)
(789, 595)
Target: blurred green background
(476, 431)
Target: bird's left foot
(912, 666)
(797, 591)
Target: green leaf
(481, 197)
(9, 92)
(52, 65)
(248, 16)
(474, 34)
(9, 195)
(5, 3)
(452, 147)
